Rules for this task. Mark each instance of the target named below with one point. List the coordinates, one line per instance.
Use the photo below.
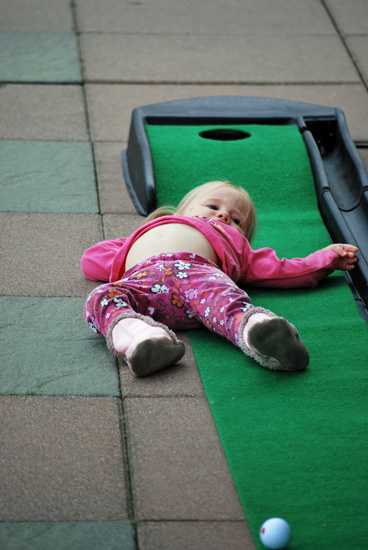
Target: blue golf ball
(275, 533)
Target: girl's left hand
(346, 253)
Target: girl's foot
(146, 348)
(274, 343)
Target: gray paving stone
(110, 119)
(61, 460)
(48, 349)
(206, 17)
(351, 16)
(42, 112)
(204, 535)
(36, 16)
(47, 177)
(39, 57)
(116, 226)
(182, 379)
(359, 47)
(256, 58)
(179, 468)
(42, 253)
(114, 535)
(113, 193)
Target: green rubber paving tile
(39, 57)
(48, 349)
(41, 176)
(112, 535)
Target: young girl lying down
(180, 270)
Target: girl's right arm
(96, 262)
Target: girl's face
(223, 203)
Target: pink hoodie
(105, 261)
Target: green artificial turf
(296, 443)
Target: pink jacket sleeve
(266, 270)
(96, 262)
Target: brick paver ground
(91, 458)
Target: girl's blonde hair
(248, 222)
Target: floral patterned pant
(181, 291)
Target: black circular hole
(224, 134)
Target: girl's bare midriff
(173, 237)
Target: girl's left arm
(346, 255)
(265, 269)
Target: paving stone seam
(4, 83)
(128, 472)
(73, 8)
(215, 84)
(110, 82)
(167, 397)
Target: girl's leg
(215, 300)
(272, 341)
(145, 345)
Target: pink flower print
(191, 294)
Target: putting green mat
(296, 443)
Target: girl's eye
(236, 221)
(211, 207)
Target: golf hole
(224, 134)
